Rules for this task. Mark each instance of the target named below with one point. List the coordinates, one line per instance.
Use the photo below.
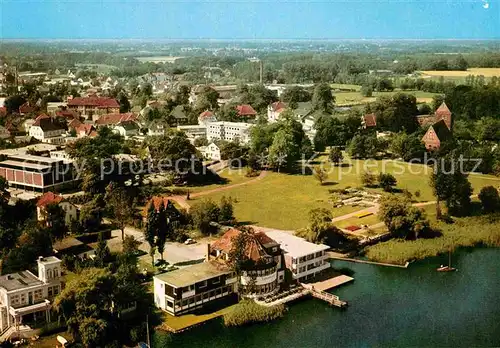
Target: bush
(248, 312)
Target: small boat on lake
(448, 268)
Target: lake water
(388, 307)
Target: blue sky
(250, 19)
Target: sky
(249, 19)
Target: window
(203, 284)
(216, 280)
(170, 304)
(50, 291)
(56, 290)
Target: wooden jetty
(330, 298)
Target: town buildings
(274, 111)
(47, 130)
(440, 129)
(229, 131)
(206, 117)
(25, 297)
(190, 288)
(48, 198)
(303, 258)
(92, 107)
(37, 173)
(210, 152)
(264, 270)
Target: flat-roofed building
(37, 173)
(25, 297)
(229, 131)
(303, 258)
(193, 287)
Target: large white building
(229, 131)
(25, 297)
(303, 258)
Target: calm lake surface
(388, 307)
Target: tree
(124, 103)
(161, 229)
(55, 220)
(226, 210)
(320, 174)
(323, 98)
(150, 229)
(207, 99)
(451, 186)
(396, 113)
(363, 146)
(490, 199)
(203, 213)
(120, 205)
(368, 179)
(13, 103)
(294, 95)
(321, 229)
(130, 245)
(366, 91)
(92, 213)
(335, 155)
(283, 151)
(387, 181)
(407, 147)
(102, 252)
(402, 219)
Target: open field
(157, 59)
(353, 98)
(342, 86)
(486, 72)
(464, 232)
(283, 201)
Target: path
(182, 201)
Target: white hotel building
(303, 258)
(25, 297)
(229, 131)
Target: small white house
(127, 129)
(274, 111)
(211, 152)
(51, 198)
(206, 117)
(44, 128)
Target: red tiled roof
(100, 102)
(246, 110)
(206, 114)
(156, 200)
(87, 129)
(67, 113)
(49, 198)
(116, 118)
(353, 228)
(370, 120)
(254, 250)
(424, 120)
(74, 124)
(26, 108)
(443, 110)
(39, 118)
(278, 106)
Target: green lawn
(355, 221)
(463, 232)
(348, 98)
(283, 201)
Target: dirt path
(182, 201)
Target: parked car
(189, 241)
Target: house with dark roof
(47, 130)
(179, 115)
(441, 113)
(436, 135)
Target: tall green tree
(323, 98)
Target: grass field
(464, 232)
(353, 98)
(486, 72)
(283, 201)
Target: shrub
(247, 312)
(489, 199)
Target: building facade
(193, 287)
(37, 173)
(48, 198)
(93, 107)
(25, 297)
(229, 131)
(304, 259)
